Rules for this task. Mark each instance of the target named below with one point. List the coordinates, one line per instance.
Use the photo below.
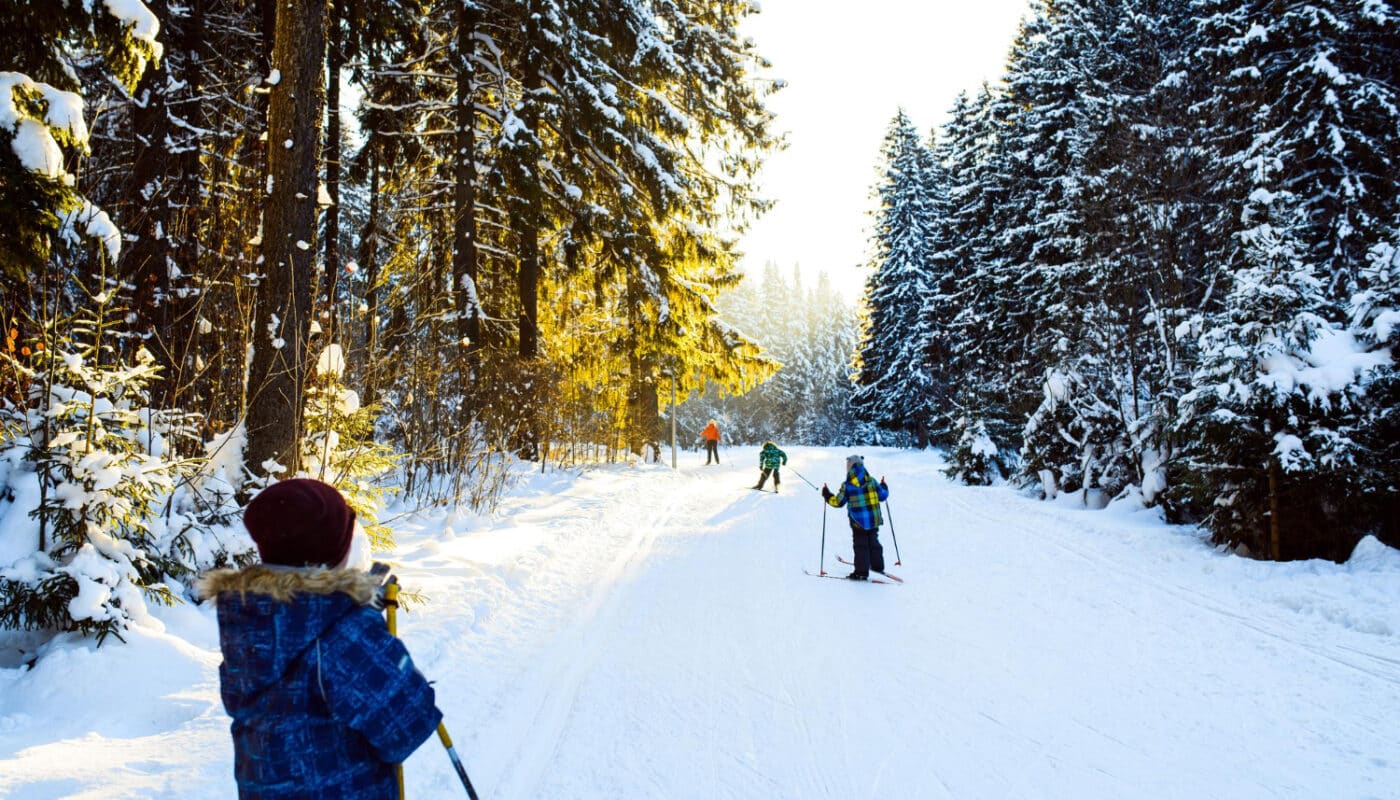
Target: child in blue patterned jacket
(324, 701)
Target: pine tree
(959, 310)
(43, 125)
(103, 466)
(893, 372)
(1303, 135)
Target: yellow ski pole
(391, 606)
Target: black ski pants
(868, 552)
(777, 479)
(711, 449)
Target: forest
(401, 245)
(244, 239)
(1159, 262)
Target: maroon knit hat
(300, 523)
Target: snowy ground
(639, 633)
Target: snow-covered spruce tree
(955, 157)
(1266, 430)
(42, 120)
(648, 122)
(1075, 441)
(1229, 423)
(1303, 132)
(964, 354)
(974, 459)
(824, 353)
(177, 164)
(811, 332)
(995, 176)
(893, 387)
(1375, 321)
(1148, 241)
(1089, 240)
(92, 459)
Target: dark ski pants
(868, 552)
(711, 449)
(777, 479)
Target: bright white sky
(849, 67)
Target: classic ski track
(573, 658)
(1055, 537)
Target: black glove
(826, 493)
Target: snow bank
(72, 691)
(1371, 555)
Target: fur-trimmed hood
(284, 583)
(271, 616)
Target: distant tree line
(811, 332)
(1159, 262)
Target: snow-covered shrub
(103, 515)
(340, 449)
(975, 460)
(88, 443)
(1077, 437)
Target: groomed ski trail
(1037, 652)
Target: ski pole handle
(391, 605)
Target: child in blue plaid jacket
(324, 701)
(861, 496)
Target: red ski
(848, 580)
(894, 578)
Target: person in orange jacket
(711, 437)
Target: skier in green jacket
(769, 459)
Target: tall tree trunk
(644, 420)
(527, 223)
(187, 206)
(369, 242)
(464, 256)
(335, 59)
(276, 376)
(1275, 534)
(144, 264)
